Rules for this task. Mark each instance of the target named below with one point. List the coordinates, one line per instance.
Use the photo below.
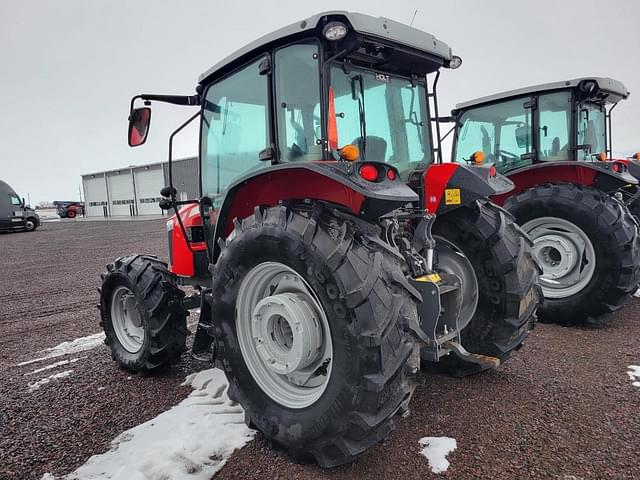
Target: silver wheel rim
(30, 225)
(450, 259)
(564, 252)
(284, 335)
(126, 319)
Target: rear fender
(599, 175)
(338, 183)
(452, 185)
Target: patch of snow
(67, 348)
(55, 365)
(101, 388)
(637, 294)
(191, 441)
(43, 381)
(436, 450)
(634, 375)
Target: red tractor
(310, 249)
(69, 209)
(554, 142)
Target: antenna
(413, 18)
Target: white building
(135, 190)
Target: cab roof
(614, 89)
(380, 27)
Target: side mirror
(522, 136)
(139, 121)
(24, 204)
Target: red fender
(271, 188)
(540, 173)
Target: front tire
(507, 282)
(142, 314)
(357, 300)
(31, 224)
(587, 245)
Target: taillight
(369, 172)
(618, 167)
(492, 171)
(391, 174)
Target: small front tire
(142, 314)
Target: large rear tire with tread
(142, 314)
(507, 277)
(608, 232)
(358, 283)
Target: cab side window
(554, 126)
(501, 131)
(297, 77)
(235, 128)
(15, 200)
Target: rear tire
(358, 283)
(507, 277)
(612, 236)
(71, 214)
(146, 326)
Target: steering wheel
(508, 155)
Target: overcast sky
(69, 67)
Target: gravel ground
(562, 408)
(48, 294)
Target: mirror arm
(188, 100)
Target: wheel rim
(450, 259)
(564, 252)
(126, 319)
(30, 224)
(284, 335)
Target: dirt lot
(563, 408)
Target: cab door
(16, 212)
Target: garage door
(121, 193)
(95, 195)
(149, 181)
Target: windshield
(591, 130)
(384, 115)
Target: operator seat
(375, 149)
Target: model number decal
(382, 77)
(452, 196)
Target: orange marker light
(636, 156)
(602, 157)
(478, 157)
(350, 153)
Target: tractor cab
(555, 122)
